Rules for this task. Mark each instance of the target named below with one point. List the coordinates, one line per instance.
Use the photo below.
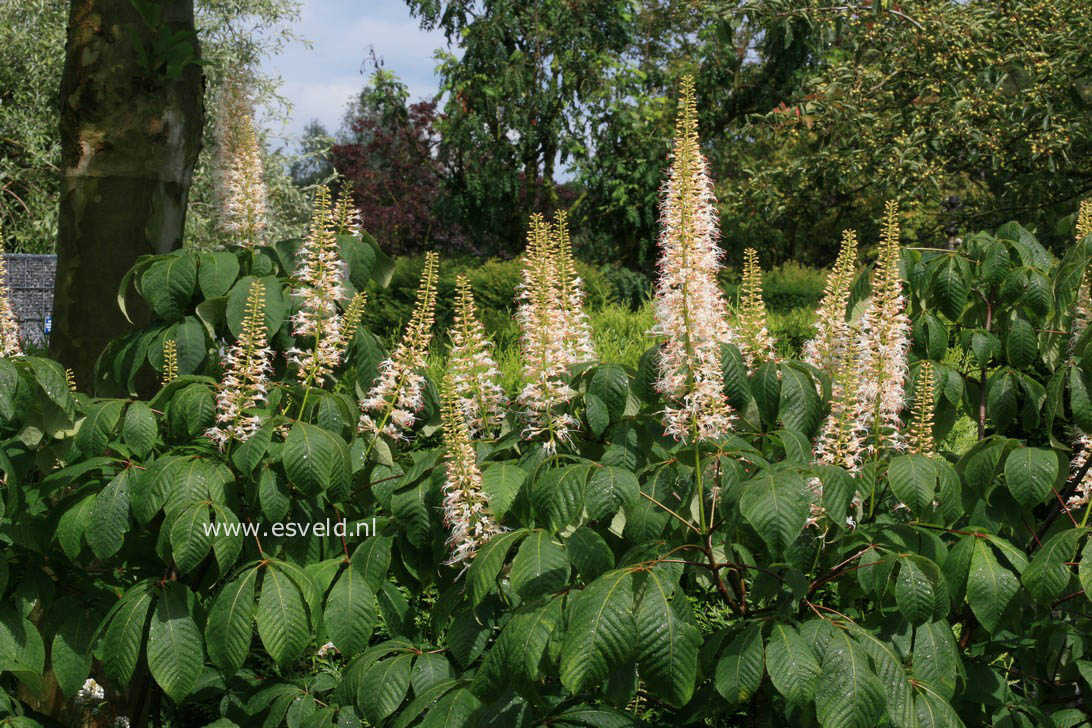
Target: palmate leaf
(667, 646)
(739, 670)
(601, 631)
(849, 695)
(230, 624)
(791, 664)
(990, 586)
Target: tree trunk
(131, 119)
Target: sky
(320, 80)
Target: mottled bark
(130, 135)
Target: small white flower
(238, 169)
(90, 692)
(475, 378)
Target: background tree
(131, 117)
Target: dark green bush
(494, 283)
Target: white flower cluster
(755, 343)
(884, 343)
(691, 313)
(247, 367)
(466, 509)
(9, 325)
(321, 276)
(393, 402)
(91, 692)
(1082, 315)
(475, 379)
(239, 188)
(554, 334)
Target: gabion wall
(30, 284)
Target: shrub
(787, 287)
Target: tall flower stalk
(9, 324)
(392, 404)
(833, 345)
(321, 289)
(466, 509)
(240, 191)
(884, 346)
(923, 413)
(170, 361)
(691, 313)
(475, 378)
(245, 383)
(1081, 315)
(755, 343)
(575, 328)
(546, 353)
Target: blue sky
(320, 80)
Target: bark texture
(130, 135)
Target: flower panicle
(833, 343)
(884, 347)
(350, 320)
(465, 506)
(575, 326)
(346, 215)
(239, 188)
(475, 377)
(923, 413)
(392, 404)
(546, 356)
(756, 344)
(9, 324)
(1084, 220)
(170, 361)
(321, 288)
(841, 440)
(245, 383)
(690, 309)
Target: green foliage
(640, 580)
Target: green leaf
(518, 651)
(216, 272)
(936, 657)
(913, 480)
(140, 428)
(557, 494)
(667, 646)
(800, 406)
(776, 506)
(990, 586)
(350, 612)
(71, 651)
(1001, 398)
(540, 566)
(740, 668)
(230, 624)
(766, 388)
(168, 285)
(275, 304)
(121, 644)
(1047, 576)
(372, 558)
(608, 489)
(315, 459)
(454, 709)
(596, 414)
(610, 384)
(589, 553)
(1079, 399)
(282, 617)
(410, 510)
(914, 592)
(481, 577)
(501, 483)
(96, 429)
(189, 536)
(849, 695)
(175, 655)
(1021, 344)
(951, 286)
(1030, 473)
(73, 524)
(601, 631)
(1084, 573)
(791, 664)
(109, 517)
(388, 680)
(429, 669)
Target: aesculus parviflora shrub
(711, 539)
